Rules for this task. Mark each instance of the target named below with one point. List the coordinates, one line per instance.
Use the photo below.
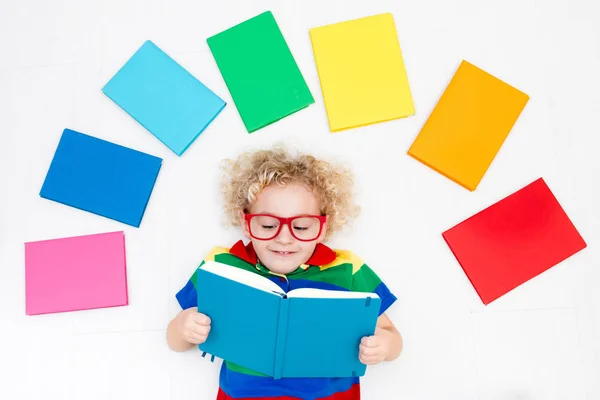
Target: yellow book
(467, 127)
(362, 72)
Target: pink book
(76, 273)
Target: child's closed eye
(268, 226)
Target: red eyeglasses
(305, 228)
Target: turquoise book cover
(304, 333)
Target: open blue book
(305, 333)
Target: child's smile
(283, 253)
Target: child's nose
(285, 236)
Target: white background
(541, 341)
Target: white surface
(540, 342)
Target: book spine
(281, 337)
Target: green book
(260, 72)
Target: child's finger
(361, 358)
(201, 319)
(372, 357)
(201, 329)
(368, 360)
(197, 338)
(369, 341)
(368, 351)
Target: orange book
(468, 125)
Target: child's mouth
(283, 253)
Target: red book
(513, 240)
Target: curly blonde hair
(247, 175)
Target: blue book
(101, 177)
(164, 97)
(305, 333)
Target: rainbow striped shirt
(326, 269)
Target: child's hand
(193, 326)
(374, 349)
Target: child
(287, 206)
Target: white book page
(329, 294)
(242, 276)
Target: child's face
(284, 253)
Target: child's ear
(243, 224)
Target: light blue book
(305, 333)
(165, 98)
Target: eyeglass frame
(286, 221)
